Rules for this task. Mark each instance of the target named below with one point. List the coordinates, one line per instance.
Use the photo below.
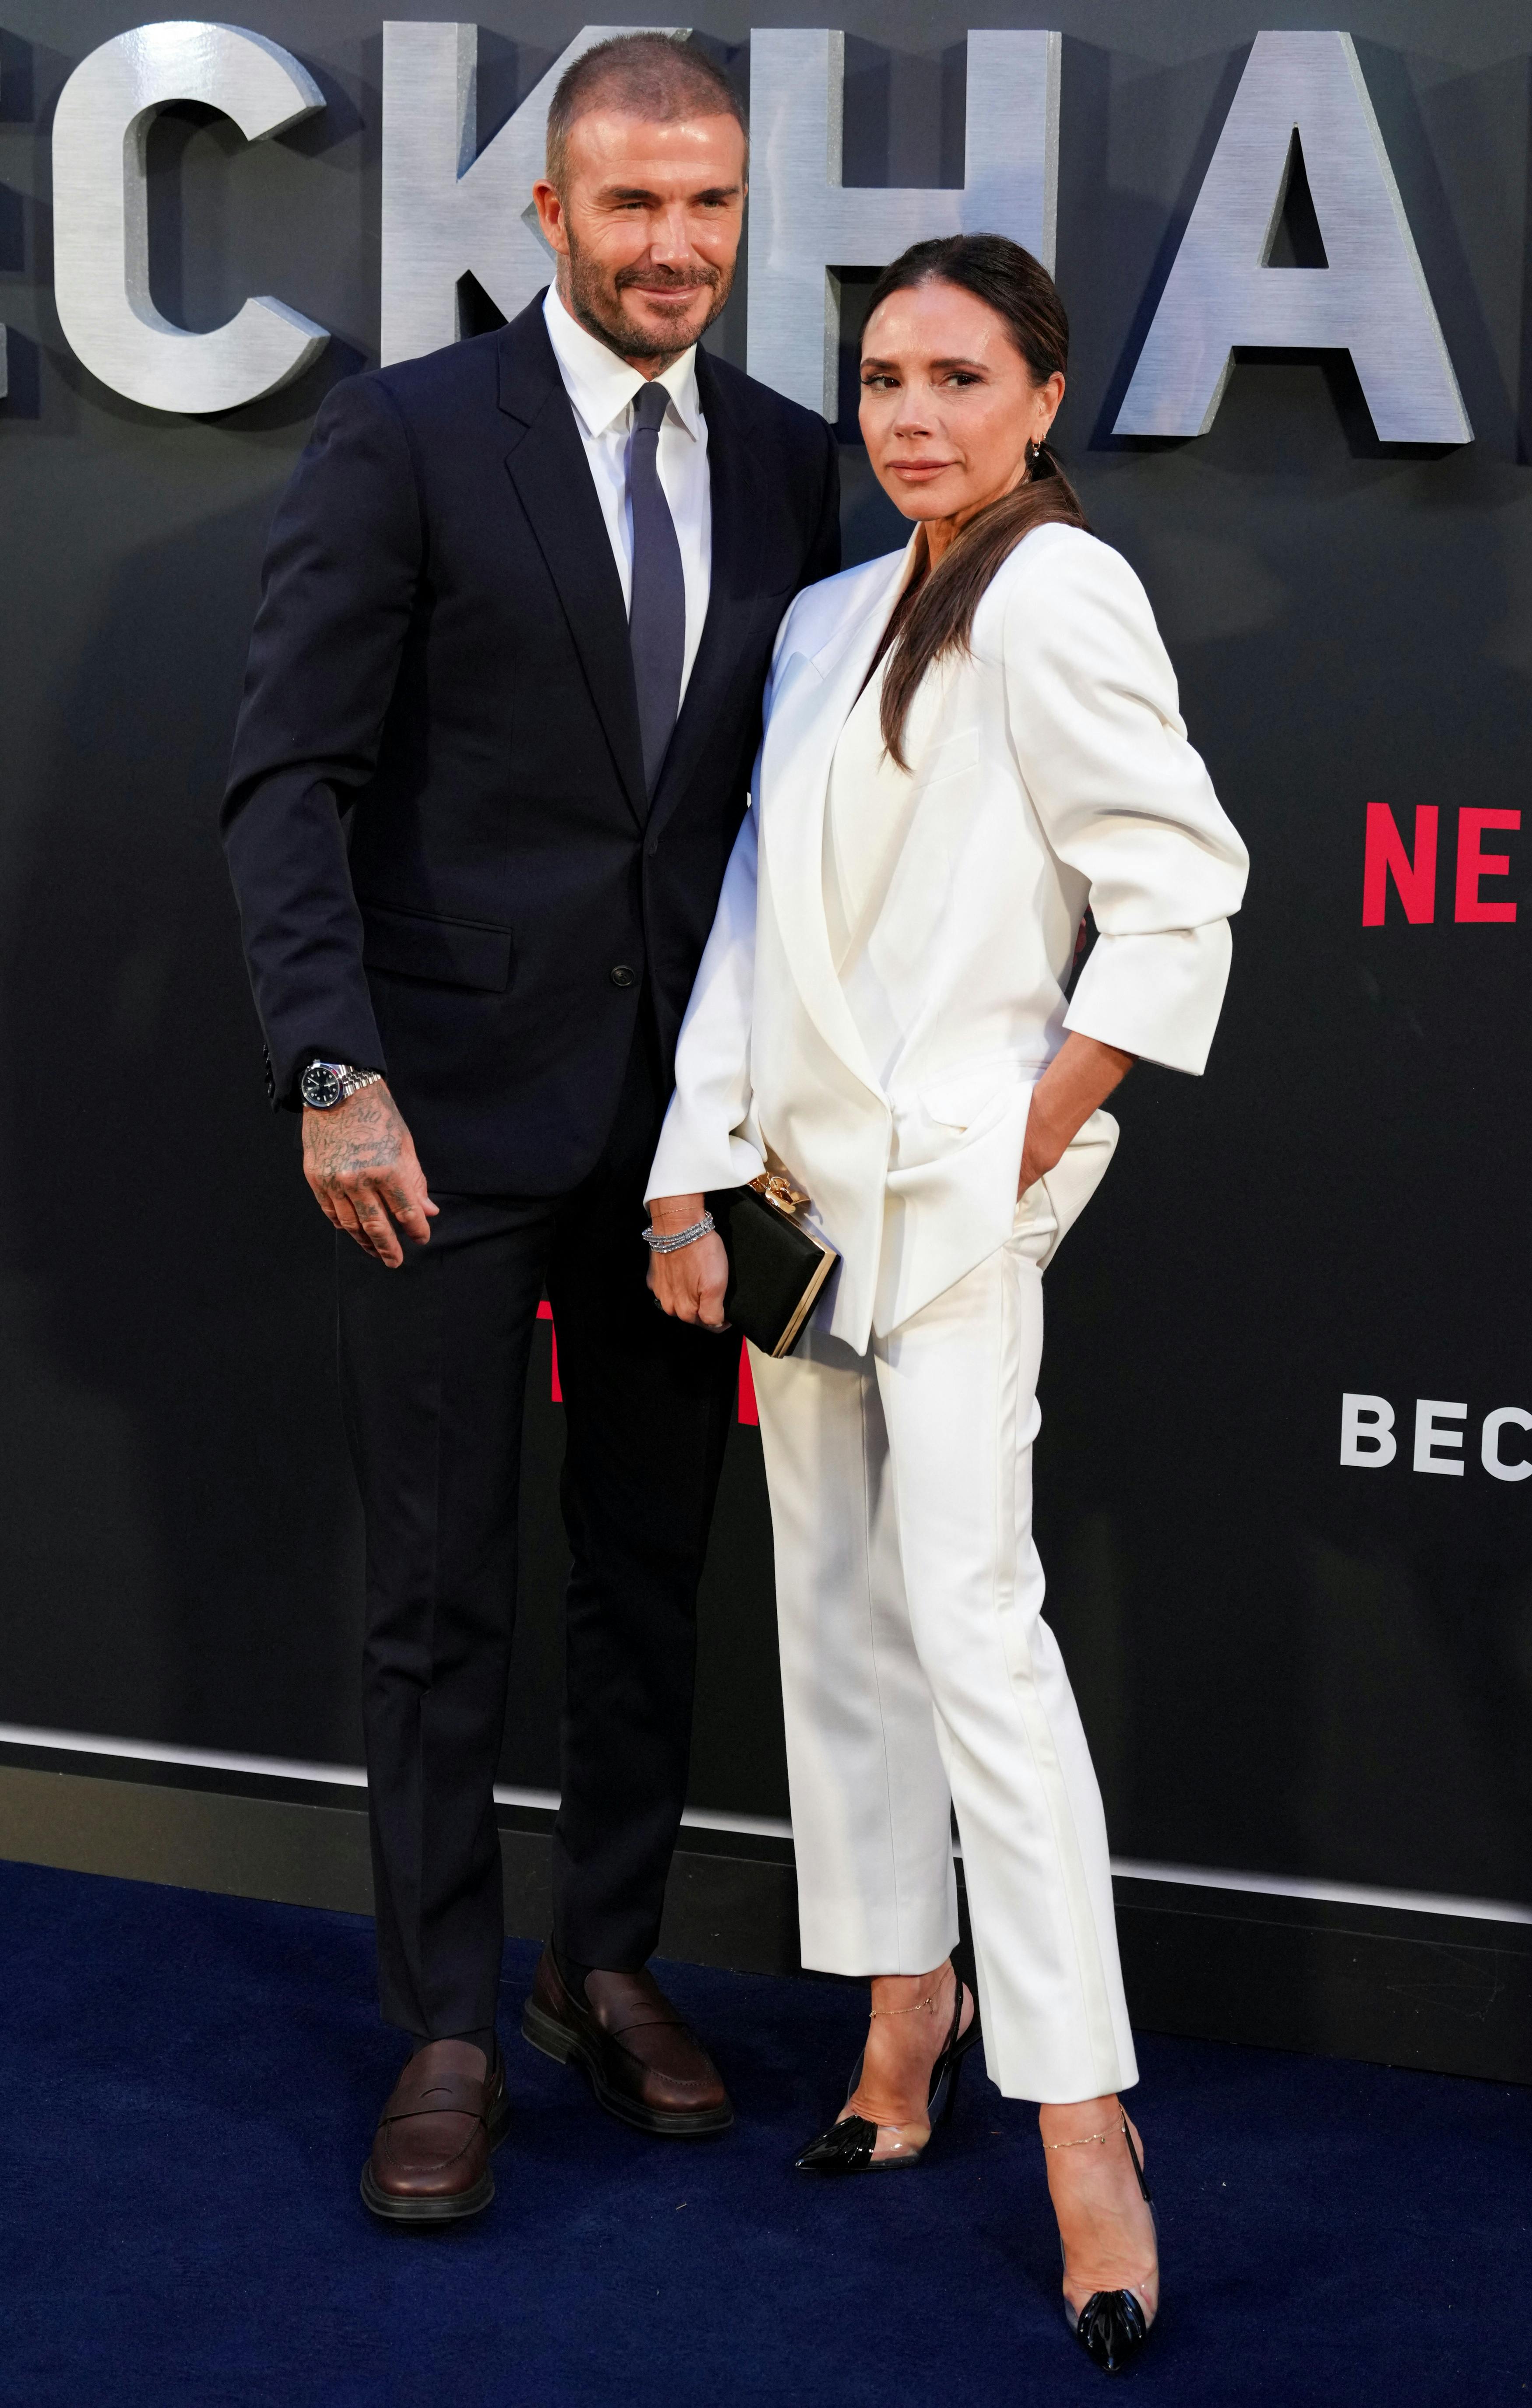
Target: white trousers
(918, 1674)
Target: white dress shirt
(601, 386)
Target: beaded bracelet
(659, 1245)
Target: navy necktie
(657, 614)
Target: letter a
(1371, 300)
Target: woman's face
(948, 403)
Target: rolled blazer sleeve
(1122, 796)
(708, 1138)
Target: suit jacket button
(622, 974)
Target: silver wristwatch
(324, 1085)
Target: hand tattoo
(360, 1138)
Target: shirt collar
(602, 386)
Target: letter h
(805, 223)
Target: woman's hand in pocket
(1077, 1083)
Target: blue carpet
(189, 2085)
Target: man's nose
(670, 239)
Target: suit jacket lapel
(739, 504)
(546, 465)
(813, 700)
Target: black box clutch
(777, 1266)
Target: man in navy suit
(503, 699)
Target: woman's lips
(919, 467)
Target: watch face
(322, 1086)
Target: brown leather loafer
(430, 2161)
(639, 2058)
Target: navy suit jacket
(436, 824)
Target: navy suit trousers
(434, 1369)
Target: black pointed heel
(847, 2147)
(1111, 2327)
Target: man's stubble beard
(596, 301)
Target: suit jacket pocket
(449, 953)
(962, 754)
(957, 1099)
(958, 1110)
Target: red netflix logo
(1414, 872)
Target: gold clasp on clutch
(779, 1191)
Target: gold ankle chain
(1090, 2138)
(920, 2007)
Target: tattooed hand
(360, 1161)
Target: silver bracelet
(659, 1245)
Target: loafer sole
(669, 2123)
(417, 2211)
(393, 2208)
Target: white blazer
(1048, 770)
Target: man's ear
(549, 203)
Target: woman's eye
(877, 383)
(962, 376)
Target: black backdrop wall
(1287, 1664)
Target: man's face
(645, 228)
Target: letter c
(1489, 1450)
(101, 216)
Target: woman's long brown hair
(939, 619)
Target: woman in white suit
(967, 744)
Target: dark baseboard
(731, 1900)
(300, 1851)
(1443, 1993)
(1446, 1993)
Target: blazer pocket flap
(964, 755)
(959, 1097)
(451, 952)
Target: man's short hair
(653, 76)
